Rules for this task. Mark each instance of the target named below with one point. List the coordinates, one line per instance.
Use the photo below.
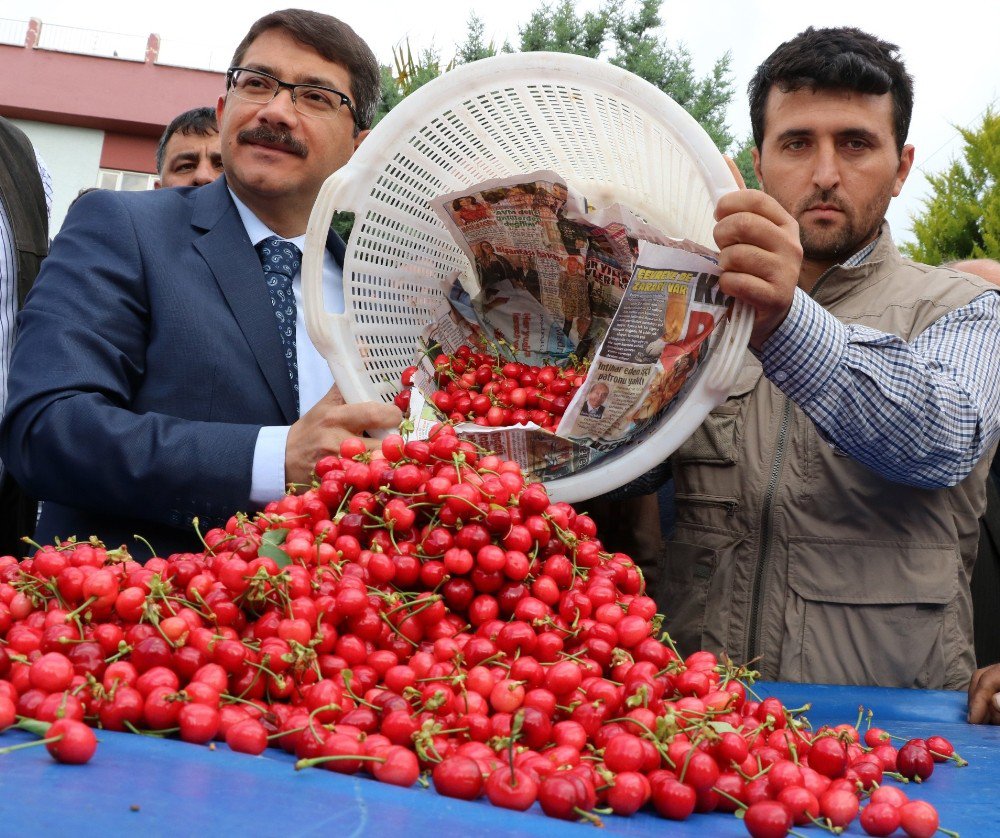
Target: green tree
(628, 39)
(410, 72)
(475, 47)
(743, 158)
(640, 50)
(560, 29)
(961, 218)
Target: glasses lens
(316, 102)
(311, 101)
(253, 87)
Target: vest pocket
(868, 612)
(717, 440)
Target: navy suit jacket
(147, 360)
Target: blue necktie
(281, 261)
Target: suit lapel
(226, 248)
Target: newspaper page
(556, 279)
(657, 340)
(548, 279)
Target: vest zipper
(763, 555)
(767, 512)
(706, 500)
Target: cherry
(70, 741)
(673, 799)
(880, 819)
(828, 756)
(247, 736)
(767, 819)
(629, 793)
(839, 806)
(919, 819)
(914, 760)
(458, 776)
(399, 767)
(515, 789)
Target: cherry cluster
(422, 609)
(481, 388)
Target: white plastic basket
(611, 135)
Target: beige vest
(788, 551)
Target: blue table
(152, 787)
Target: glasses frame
(291, 88)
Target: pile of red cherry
(473, 386)
(423, 609)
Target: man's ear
(755, 154)
(361, 135)
(905, 165)
(220, 106)
(157, 184)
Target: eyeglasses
(308, 99)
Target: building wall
(72, 156)
(110, 117)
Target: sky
(950, 50)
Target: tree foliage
(628, 38)
(961, 218)
(624, 35)
(743, 158)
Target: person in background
(163, 371)
(25, 205)
(189, 152)
(827, 514)
(984, 689)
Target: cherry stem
(739, 803)
(23, 745)
(313, 761)
(589, 816)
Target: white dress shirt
(315, 378)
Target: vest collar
(839, 282)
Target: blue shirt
(921, 413)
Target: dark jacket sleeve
(73, 432)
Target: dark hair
(200, 121)
(336, 42)
(843, 58)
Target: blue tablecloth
(153, 787)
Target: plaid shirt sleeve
(920, 413)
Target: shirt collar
(257, 230)
(862, 255)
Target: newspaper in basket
(612, 136)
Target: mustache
(822, 196)
(268, 136)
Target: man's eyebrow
(793, 133)
(846, 133)
(858, 134)
(319, 81)
(184, 157)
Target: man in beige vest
(827, 512)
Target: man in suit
(162, 371)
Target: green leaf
(722, 727)
(274, 537)
(269, 548)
